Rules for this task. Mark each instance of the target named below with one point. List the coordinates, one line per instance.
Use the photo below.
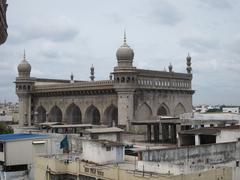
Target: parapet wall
(211, 154)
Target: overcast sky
(62, 36)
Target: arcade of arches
(73, 115)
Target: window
(94, 136)
(108, 148)
(1, 147)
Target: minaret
(125, 75)
(71, 78)
(189, 68)
(92, 73)
(24, 85)
(170, 67)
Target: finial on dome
(24, 55)
(125, 37)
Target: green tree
(4, 129)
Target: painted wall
(97, 153)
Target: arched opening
(144, 112)
(163, 110)
(41, 114)
(73, 114)
(111, 116)
(55, 114)
(92, 115)
(179, 109)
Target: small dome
(24, 68)
(125, 52)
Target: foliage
(5, 129)
(214, 110)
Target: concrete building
(130, 94)
(209, 135)
(60, 168)
(231, 110)
(102, 151)
(3, 21)
(192, 159)
(17, 152)
(198, 120)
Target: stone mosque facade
(130, 94)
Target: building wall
(101, 102)
(192, 158)
(97, 153)
(22, 152)
(45, 166)
(228, 136)
(231, 109)
(170, 101)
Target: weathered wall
(228, 136)
(97, 153)
(190, 159)
(101, 102)
(169, 101)
(120, 172)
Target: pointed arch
(144, 112)
(111, 116)
(41, 114)
(179, 109)
(163, 110)
(92, 115)
(55, 114)
(73, 114)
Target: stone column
(149, 133)
(125, 108)
(165, 132)
(156, 133)
(173, 133)
(197, 140)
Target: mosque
(130, 94)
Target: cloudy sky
(62, 36)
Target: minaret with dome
(24, 86)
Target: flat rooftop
(104, 130)
(20, 136)
(71, 126)
(210, 130)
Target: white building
(103, 151)
(230, 109)
(17, 152)
(208, 135)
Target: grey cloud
(163, 12)
(58, 29)
(200, 45)
(234, 46)
(221, 4)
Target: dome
(125, 53)
(24, 68)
